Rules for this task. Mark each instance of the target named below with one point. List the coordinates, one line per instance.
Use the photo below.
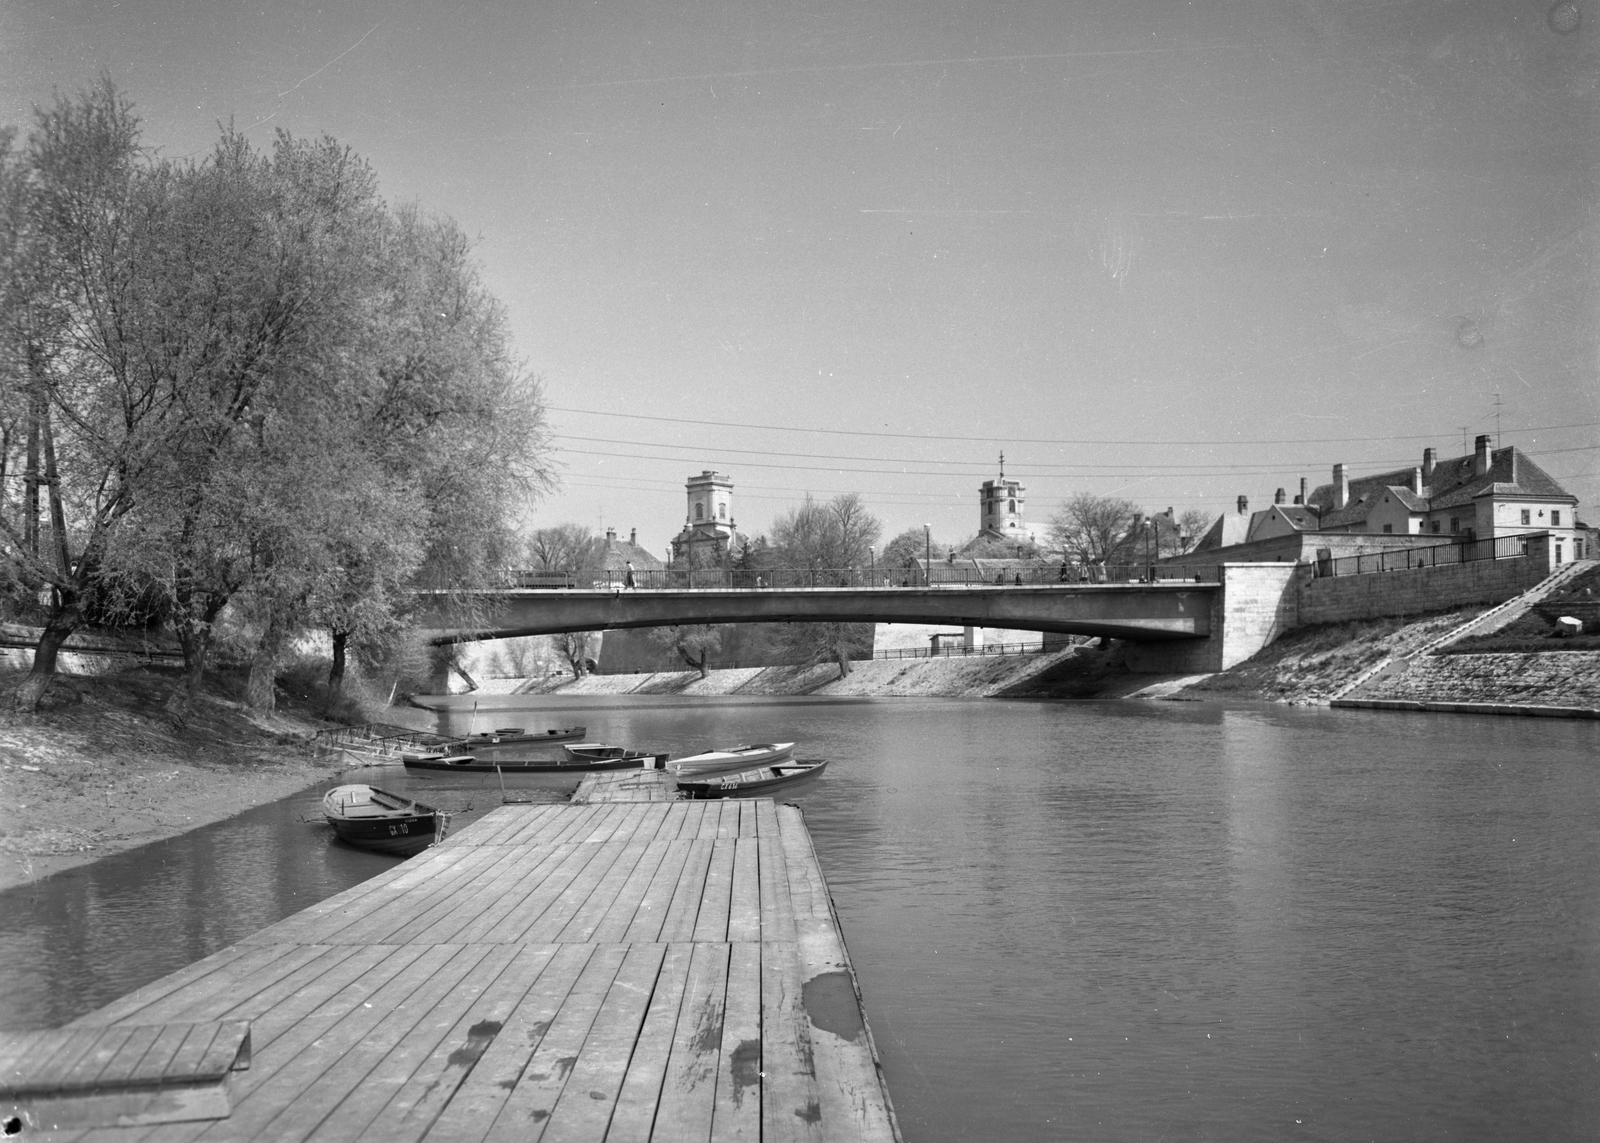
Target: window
(699, 511)
(1388, 527)
(1455, 524)
(1526, 517)
(1434, 525)
(722, 511)
(1555, 517)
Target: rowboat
(375, 819)
(429, 765)
(753, 783)
(515, 738)
(600, 752)
(732, 758)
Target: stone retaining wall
(1414, 591)
(1550, 678)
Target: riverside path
(618, 970)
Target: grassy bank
(101, 770)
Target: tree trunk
(260, 690)
(194, 636)
(63, 621)
(336, 672)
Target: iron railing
(1432, 556)
(790, 579)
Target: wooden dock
(617, 970)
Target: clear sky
(1174, 252)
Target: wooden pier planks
(628, 969)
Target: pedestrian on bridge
(628, 582)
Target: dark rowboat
(731, 758)
(753, 783)
(514, 738)
(375, 819)
(432, 764)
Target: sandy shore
(101, 773)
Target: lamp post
(927, 555)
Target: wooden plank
(540, 895)
(687, 894)
(152, 1063)
(587, 918)
(483, 1091)
(127, 1063)
(527, 1109)
(727, 823)
(689, 816)
(420, 1093)
(581, 1110)
(359, 1044)
(736, 1114)
(777, 910)
(542, 866)
(441, 918)
(854, 1100)
(791, 1106)
(576, 893)
(281, 1072)
(634, 1112)
(689, 1088)
(19, 1047)
(612, 928)
(744, 902)
(383, 924)
(245, 961)
(651, 914)
(300, 966)
(60, 1054)
(711, 922)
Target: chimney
(1430, 461)
(1280, 497)
(611, 535)
(1341, 486)
(1244, 505)
(1416, 482)
(1480, 456)
(633, 536)
(1301, 499)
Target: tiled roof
(616, 554)
(1230, 528)
(1452, 485)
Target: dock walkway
(619, 970)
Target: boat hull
(734, 758)
(496, 743)
(755, 782)
(510, 767)
(374, 819)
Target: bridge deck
(621, 970)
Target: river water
(1096, 921)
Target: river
(1096, 921)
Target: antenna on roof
(1497, 441)
(1465, 448)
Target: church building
(1000, 509)
(708, 532)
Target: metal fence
(958, 652)
(789, 579)
(1433, 556)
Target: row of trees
(242, 382)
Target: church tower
(708, 530)
(1000, 506)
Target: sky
(1165, 251)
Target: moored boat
(600, 752)
(515, 738)
(375, 819)
(731, 758)
(435, 764)
(756, 782)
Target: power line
(970, 438)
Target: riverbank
(101, 771)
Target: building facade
(708, 533)
(1001, 505)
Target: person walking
(629, 581)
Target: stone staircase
(1494, 619)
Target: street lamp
(927, 555)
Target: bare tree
(574, 647)
(694, 643)
(836, 535)
(563, 548)
(1092, 529)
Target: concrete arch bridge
(1173, 626)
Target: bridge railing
(1436, 555)
(791, 579)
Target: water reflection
(1108, 921)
